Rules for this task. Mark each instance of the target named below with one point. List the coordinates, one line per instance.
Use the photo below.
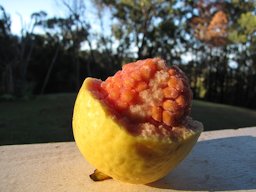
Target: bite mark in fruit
(149, 85)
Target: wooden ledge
(221, 160)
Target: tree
(140, 25)
(226, 31)
(7, 53)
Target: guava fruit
(135, 126)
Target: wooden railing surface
(222, 160)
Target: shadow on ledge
(215, 165)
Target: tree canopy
(212, 41)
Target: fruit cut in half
(135, 126)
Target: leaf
(235, 37)
(247, 21)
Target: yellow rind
(107, 145)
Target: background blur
(48, 48)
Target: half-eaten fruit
(135, 126)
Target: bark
(48, 74)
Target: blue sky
(24, 9)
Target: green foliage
(244, 28)
(247, 21)
(235, 37)
(140, 24)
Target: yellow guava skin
(109, 147)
